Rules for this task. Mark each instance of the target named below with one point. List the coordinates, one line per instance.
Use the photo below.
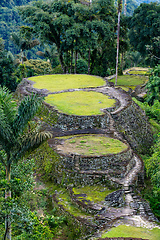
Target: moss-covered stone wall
(133, 124)
(73, 122)
(89, 169)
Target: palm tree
(24, 43)
(16, 138)
(118, 33)
(50, 52)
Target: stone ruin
(126, 122)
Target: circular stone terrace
(90, 145)
(80, 101)
(74, 95)
(90, 154)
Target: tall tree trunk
(7, 235)
(122, 57)
(118, 31)
(71, 61)
(93, 58)
(61, 59)
(22, 56)
(62, 62)
(89, 57)
(125, 5)
(89, 53)
(75, 66)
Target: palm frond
(30, 142)
(7, 104)
(2, 159)
(26, 111)
(6, 133)
(16, 39)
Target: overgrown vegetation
(37, 67)
(152, 161)
(93, 193)
(153, 85)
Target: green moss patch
(126, 88)
(128, 80)
(134, 232)
(59, 82)
(65, 200)
(80, 102)
(94, 193)
(91, 145)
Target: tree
(50, 52)
(154, 49)
(24, 40)
(144, 28)
(68, 25)
(7, 68)
(16, 136)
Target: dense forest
(66, 37)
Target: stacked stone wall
(133, 124)
(74, 122)
(86, 170)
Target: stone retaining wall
(133, 124)
(115, 162)
(74, 122)
(91, 169)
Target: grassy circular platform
(130, 80)
(91, 145)
(81, 103)
(133, 232)
(139, 72)
(59, 82)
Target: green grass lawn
(60, 82)
(128, 81)
(91, 145)
(94, 193)
(135, 232)
(80, 102)
(139, 72)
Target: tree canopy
(144, 28)
(73, 27)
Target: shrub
(153, 85)
(57, 70)
(37, 67)
(82, 67)
(153, 112)
(21, 71)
